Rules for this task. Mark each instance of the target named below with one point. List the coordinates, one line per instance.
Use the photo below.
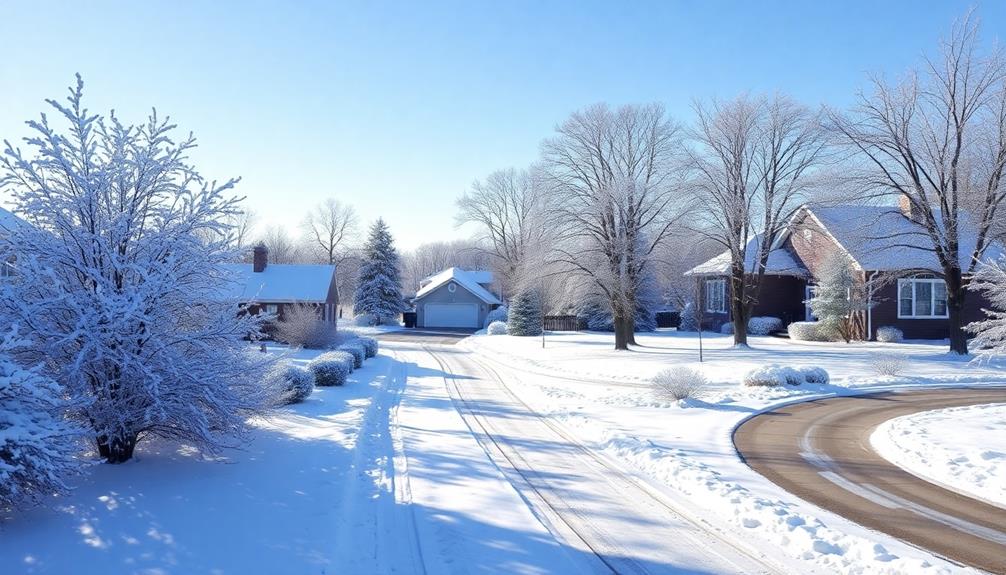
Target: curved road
(820, 450)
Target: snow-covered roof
(9, 221)
(466, 279)
(281, 283)
(780, 262)
(881, 238)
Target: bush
(727, 328)
(764, 325)
(497, 328)
(889, 364)
(295, 383)
(679, 383)
(498, 314)
(772, 376)
(524, 316)
(364, 320)
(888, 334)
(808, 331)
(358, 352)
(330, 369)
(814, 375)
(370, 346)
(301, 326)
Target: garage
(452, 315)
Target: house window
(271, 308)
(808, 235)
(716, 296)
(920, 298)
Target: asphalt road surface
(820, 450)
(446, 336)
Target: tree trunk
(621, 332)
(117, 449)
(739, 314)
(956, 294)
(630, 336)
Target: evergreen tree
(990, 332)
(524, 317)
(838, 297)
(379, 291)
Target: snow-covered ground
(685, 448)
(279, 504)
(346, 324)
(962, 448)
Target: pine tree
(990, 332)
(838, 297)
(524, 316)
(379, 291)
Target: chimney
(905, 205)
(260, 257)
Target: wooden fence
(562, 323)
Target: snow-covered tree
(840, 296)
(38, 444)
(122, 282)
(990, 333)
(937, 142)
(524, 314)
(379, 291)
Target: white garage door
(451, 315)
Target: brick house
(888, 252)
(273, 288)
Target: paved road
(585, 500)
(820, 450)
(427, 336)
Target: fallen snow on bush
(773, 375)
(963, 448)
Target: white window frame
(720, 287)
(270, 308)
(932, 295)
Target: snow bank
(940, 446)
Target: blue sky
(397, 107)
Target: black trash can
(409, 318)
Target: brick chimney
(260, 258)
(905, 205)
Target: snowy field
(962, 448)
(277, 505)
(685, 448)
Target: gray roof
(466, 279)
(881, 238)
(281, 283)
(780, 262)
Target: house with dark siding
(274, 288)
(889, 252)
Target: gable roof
(8, 221)
(881, 238)
(466, 279)
(281, 283)
(780, 262)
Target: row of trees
(617, 194)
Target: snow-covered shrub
(889, 364)
(808, 331)
(297, 382)
(816, 375)
(329, 369)
(889, 334)
(990, 332)
(345, 357)
(364, 320)
(358, 352)
(689, 321)
(839, 297)
(379, 291)
(498, 314)
(37, 443)
(497, 328)
(524, 317)
(772, 376)
(369, 345)
(596, 315)
(129, 295)
(679, 383)
(764, 325)
(727, 328)
(302, 326)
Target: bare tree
(329, 227)
(937, 141)
(612, 176)
(508, 206)
(753, 163)
(242, 224)
(282, 248)
(430, 258)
